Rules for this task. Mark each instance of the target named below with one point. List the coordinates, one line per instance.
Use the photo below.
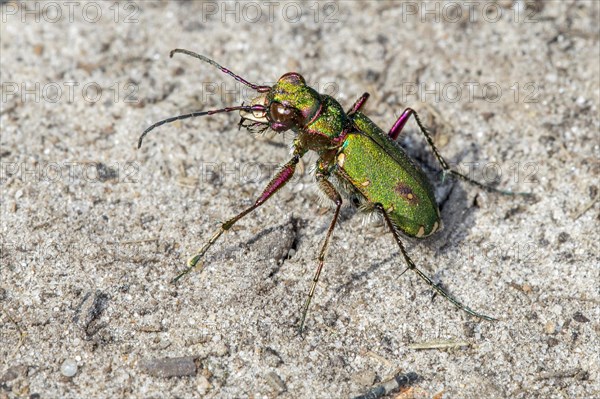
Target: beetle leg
(428, 280)
(279, 180)
(358, 104)
(329, 190)
(399, 125)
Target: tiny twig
(440, 345)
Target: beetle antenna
(249, 108)
(259, 88)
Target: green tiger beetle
(357, 161)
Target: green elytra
(357, 161)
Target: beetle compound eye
(282, 117)
(280, 112)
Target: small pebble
(276, 382)
(365, 378)
(38, 49)
(550, 327)
(220, 350)
(557, 309)
(481, 200)
(69, 368)
(203, 385)
(579, 317)
(12, 373)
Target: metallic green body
(382, 172)
(367, 163)
(355, 159)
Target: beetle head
(290, 104)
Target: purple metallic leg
(399, 125)
(358, 104)
(279, 180)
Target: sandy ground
(93, 229)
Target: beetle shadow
(439, 243)
(235, 249)
(269, 230)
(451, 194)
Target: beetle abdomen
(399, 188)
